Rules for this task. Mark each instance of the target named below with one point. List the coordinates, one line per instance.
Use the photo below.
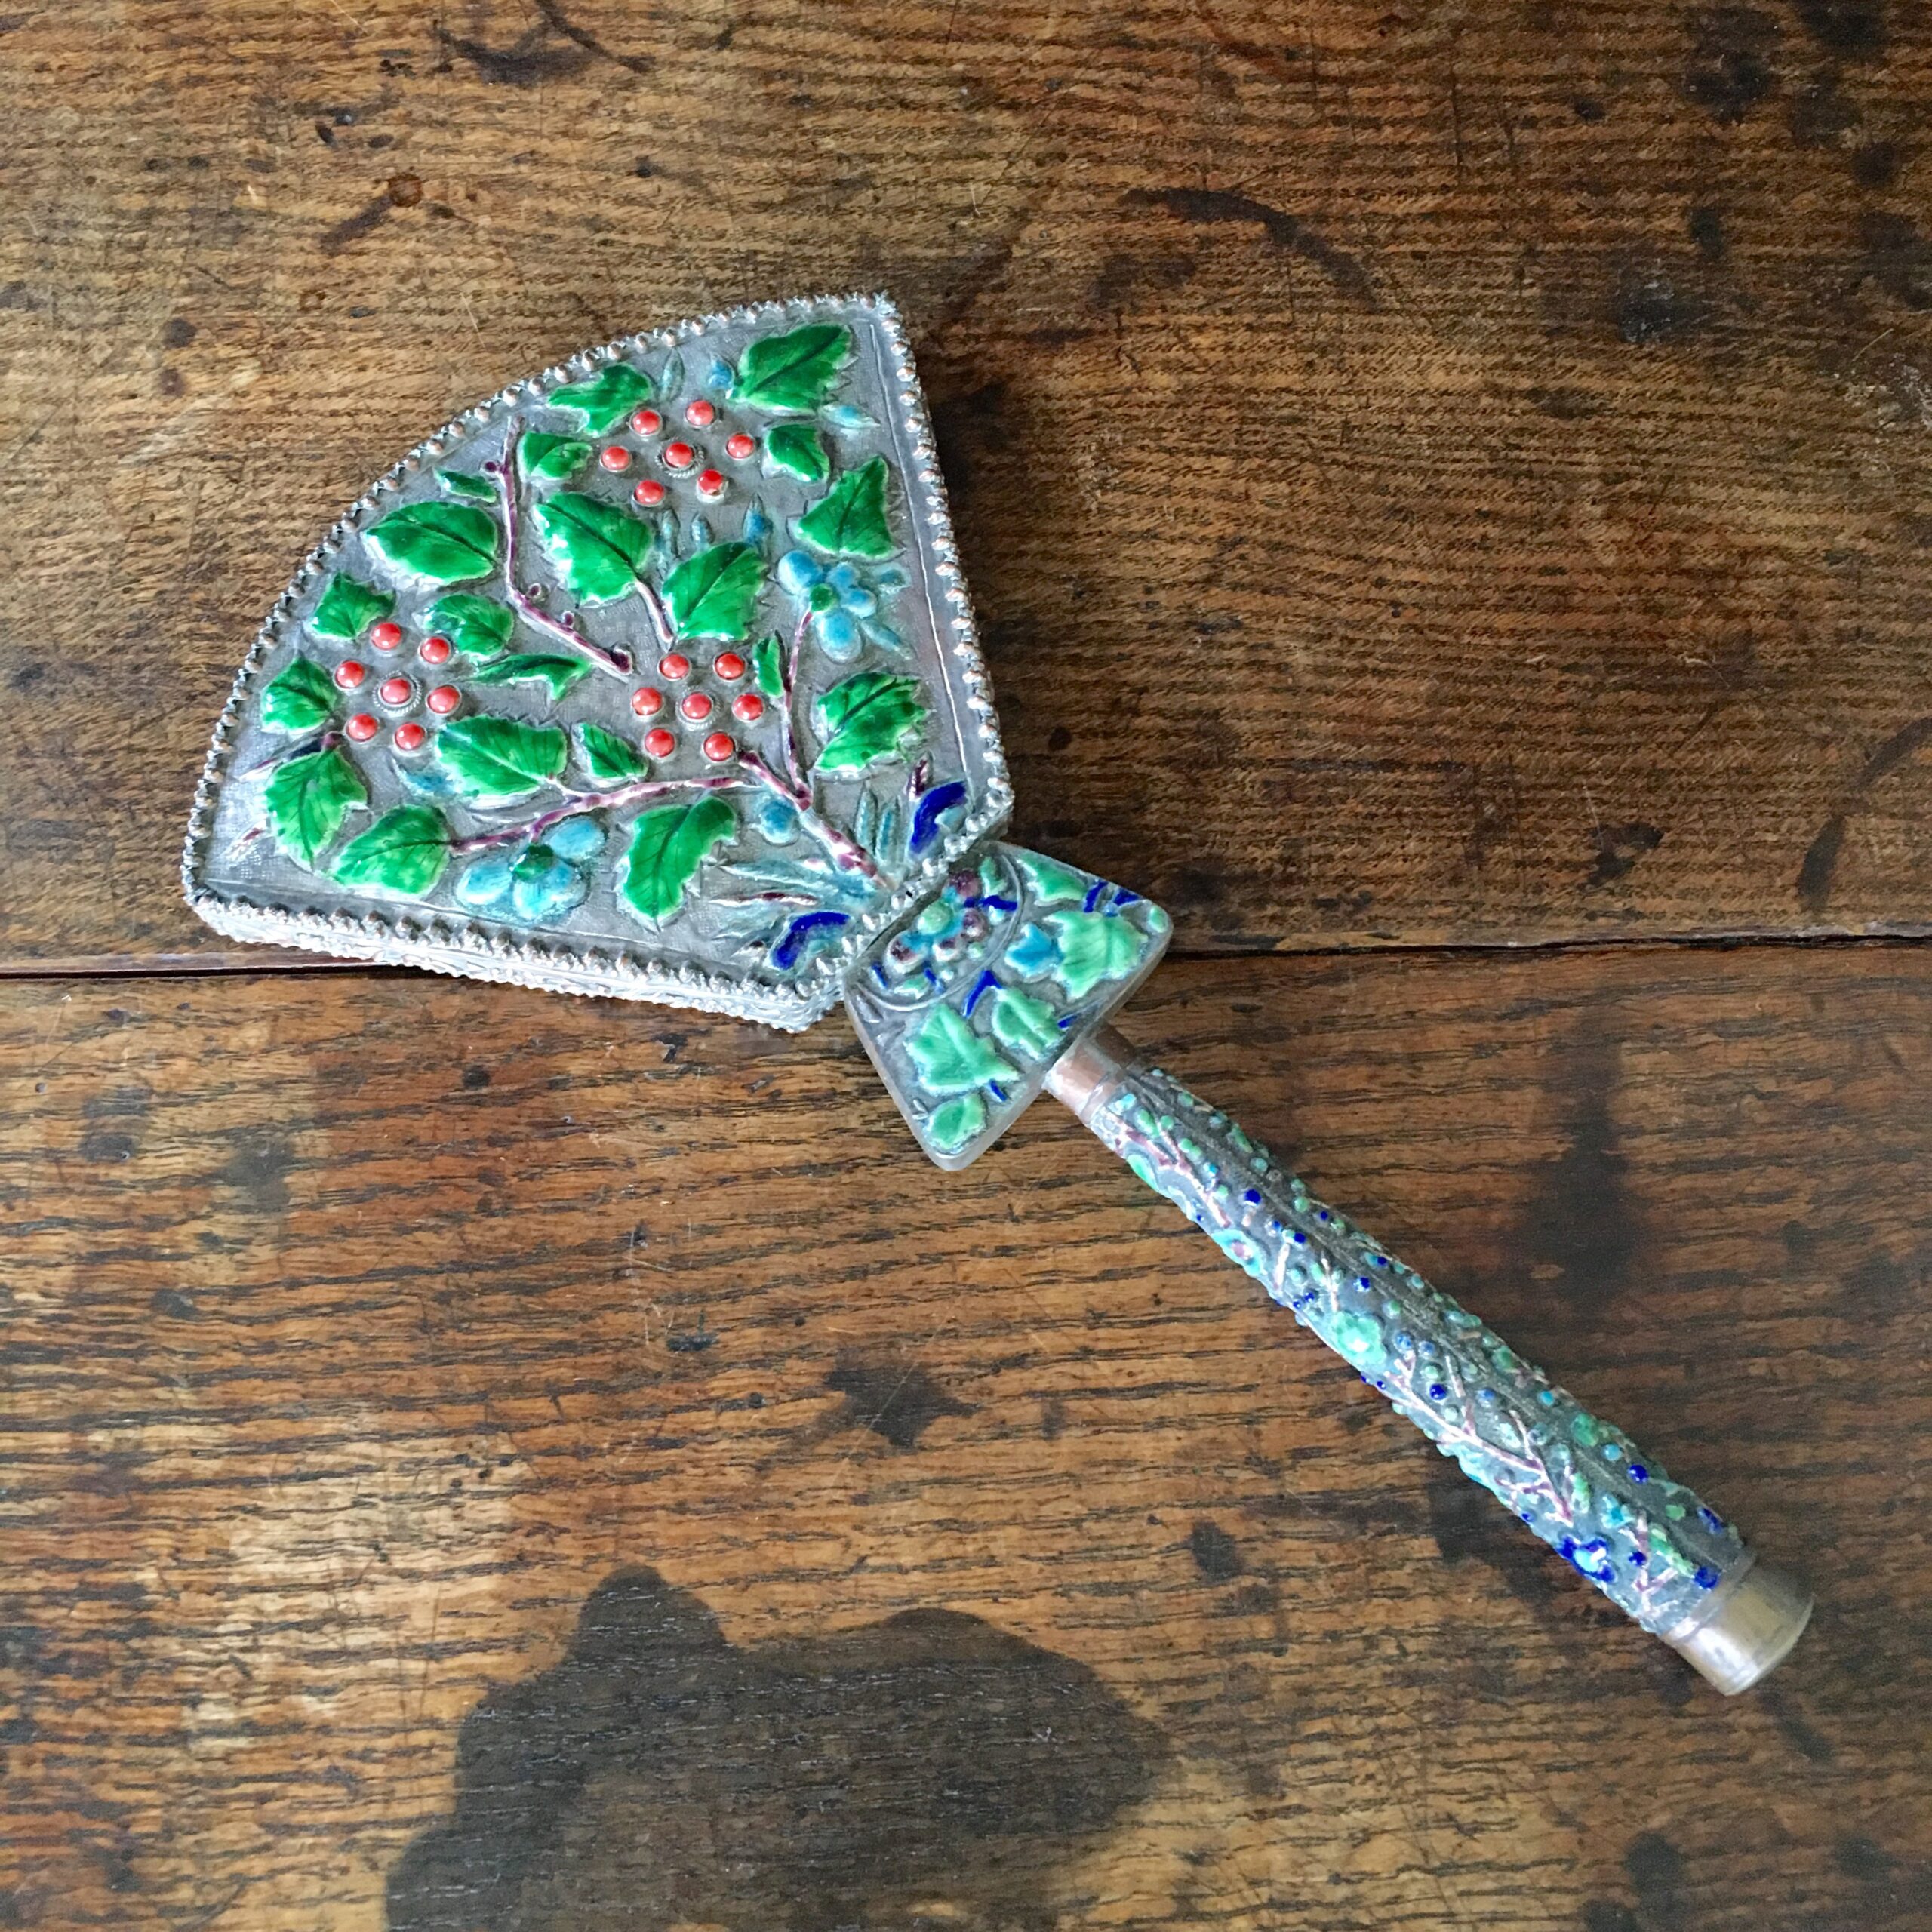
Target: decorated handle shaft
(1654, 1547)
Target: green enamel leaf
(347, 608)
(793, 371)
(669, 844)
(471, 489)
(1051, 883)
(308, 799)
(601, 404)
(547, 459)
(849, 520)
(561, 674)
(494, 759)
(1359, 1337)
(1093, 947)
(711, 594)
(405, 850)
(300, 699)
(949, 1127)
(609, 759)
(952, 1058)
(598, 549)
(480, 626)
(440, 543)
(768, 666)
(794, 450)
(1024, 1025)
(872, 716)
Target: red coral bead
(659, 743)
(695, 706)
(349, 674)
(444, 699)
(728, 665)
(700, 414)
(396, 690)
(647, 703)
(649, 492)
(386, 635)
(646, 422)
(711, 485)
(411, 737)
(614, 455)
(740, 445)
(720, 746)
(361, 727)
(679, 456)
(748, 707)
(435, 650)
(674, 665)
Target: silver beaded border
(472, 948)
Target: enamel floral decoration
(651, 675)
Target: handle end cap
(1755, 1619)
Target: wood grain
(1427, 474)
(1013, 1565)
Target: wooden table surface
(1447, 494)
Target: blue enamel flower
(542, 883)
(844, 606)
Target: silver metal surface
(1754, 1617)
(968, 1006)
(1652, 1545)
(239, 882)
(976, 972)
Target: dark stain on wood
(1877, 1284)
(1730, 70)
(1619, 847)
(1287, 232)
(562, 24)
(1820, 113)
(1851, 30)
(1820, 864)
(1578, 1226)
(1647, 306)
(1124, 276)
(931, 1755)
(691, 1341)
(1860, 1858)
(897, 1400)
(1216, 1555)
(1656, 1867)
(1609, 1915)
(1898, 259)
(1876, 165)
(400, 191)
(534, 57)
(1705, 225)
(1818, 871)
(1811, 1743)
(258, 1171)
(1282, 63)
(1896, 1891)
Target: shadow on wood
(659, 1773)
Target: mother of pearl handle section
(1654, 1548)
